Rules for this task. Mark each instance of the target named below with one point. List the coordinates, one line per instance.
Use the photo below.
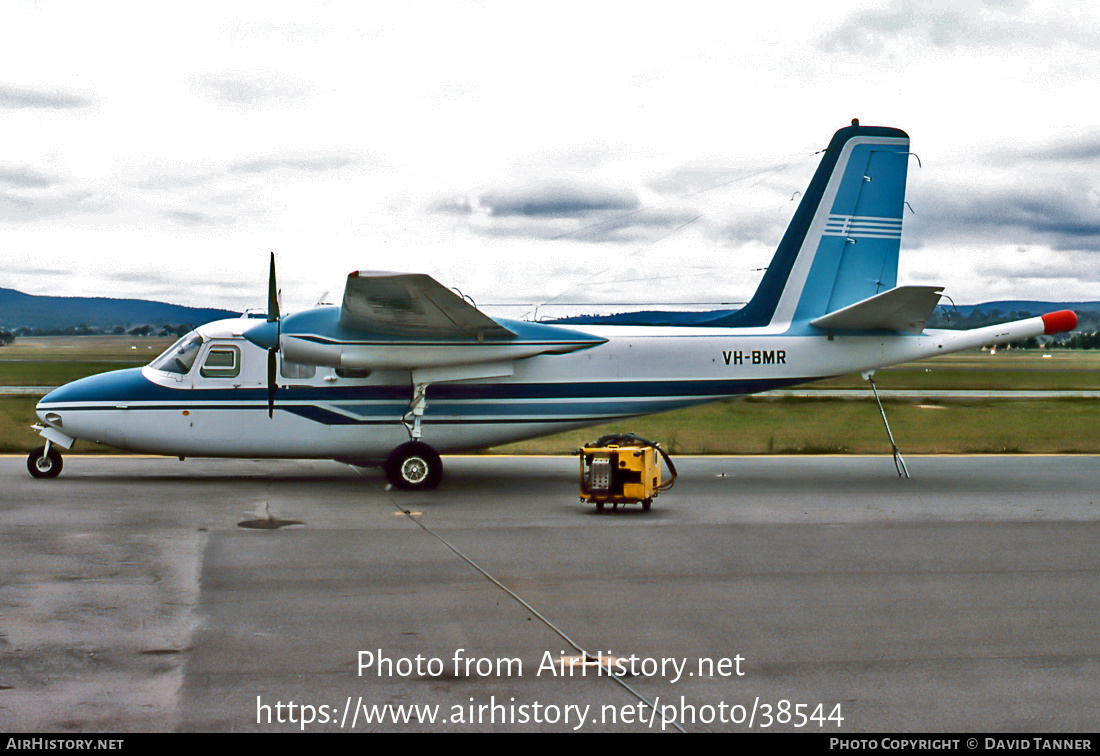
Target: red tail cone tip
(1059, 322)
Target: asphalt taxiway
(150, 594)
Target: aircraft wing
(412, 304)
(904, 308)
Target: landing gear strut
(44, 462)
(414, 466)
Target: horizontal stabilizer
(905, 309)
(412, 304)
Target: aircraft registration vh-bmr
(404, 369)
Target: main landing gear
(45, 462)
(414, 466)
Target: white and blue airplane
(404, 369)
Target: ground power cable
(587, 657)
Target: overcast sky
(532, 152)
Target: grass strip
(755, 425)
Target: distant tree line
(1075, 340)
(945, 317)
(1085, 336)
(7, 336)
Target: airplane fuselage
(337, 414)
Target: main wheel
(414, 466)
(42, 465)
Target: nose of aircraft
(116, 385)
(75, 409)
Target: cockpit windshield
(179, 357)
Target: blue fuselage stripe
(448, 403)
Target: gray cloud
(1084, 148)
(224, 196)
(31, 270)
(639, 226)
(311, 164)
(165, 182)
(701, 177)
(25, 178)
(21, 98)
(254, 166)
(249, 91)
(557, 201)
(169, 278)
(557, 210)
(1051, 270)
(186, 217)
(1064, 216)
(966, 23)
(21, 207)
(764, 228)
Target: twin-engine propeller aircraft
(404, 369)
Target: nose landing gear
(45, 462)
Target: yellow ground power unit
(623, 469)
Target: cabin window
(290, 369)
(222, 362)
(179, 357)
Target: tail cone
(1058, 322)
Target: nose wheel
(414, 466)
(44, 462)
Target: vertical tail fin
(842, 244)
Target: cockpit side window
(222, 362)
(179, 357)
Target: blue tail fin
(842, 244)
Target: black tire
(599, 507)
(646, 504)
(42, 465)
(414, 466)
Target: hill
(19, 310)
(946, 315)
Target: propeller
(272, 317)
(268, 335)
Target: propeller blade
(272, 294)
(271, 386)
